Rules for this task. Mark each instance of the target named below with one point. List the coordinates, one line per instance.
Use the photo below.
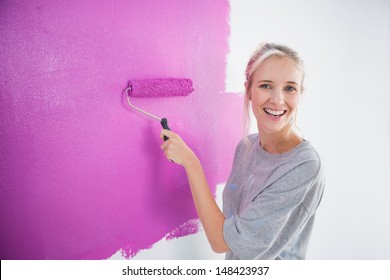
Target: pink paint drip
(82, 174)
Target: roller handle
(164, 123)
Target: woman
(276, 183)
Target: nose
(277, 97)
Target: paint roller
(158, 88)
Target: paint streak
(188, 227)
(82, 174)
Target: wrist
(191, 162)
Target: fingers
(174, 148)
(168, 133)
(171, 151)
(165, 145)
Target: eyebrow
(264, 81)
(269, 81)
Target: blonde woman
(276, 183)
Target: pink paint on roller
(160, 87)
(82, 174)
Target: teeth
(274, 112)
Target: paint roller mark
(108, 175)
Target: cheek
(293, 101)
(252, 94)
(258, 97)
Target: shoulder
(306, 171)
(308, 158)
(299, 168)
(247, 143)
(306, 181)
(249, 139)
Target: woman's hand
(176, 150)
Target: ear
(248, 91)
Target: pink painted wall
(82, 174)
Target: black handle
(164, 123)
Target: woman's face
(275, 94)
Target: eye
(290, 89)
(265, 86)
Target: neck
(279, 143)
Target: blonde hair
(264, 51)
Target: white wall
(345, 114)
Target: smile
(275, 113)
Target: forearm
(209, 213)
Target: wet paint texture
(82, 174)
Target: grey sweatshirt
(270, 201)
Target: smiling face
(275, 94)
